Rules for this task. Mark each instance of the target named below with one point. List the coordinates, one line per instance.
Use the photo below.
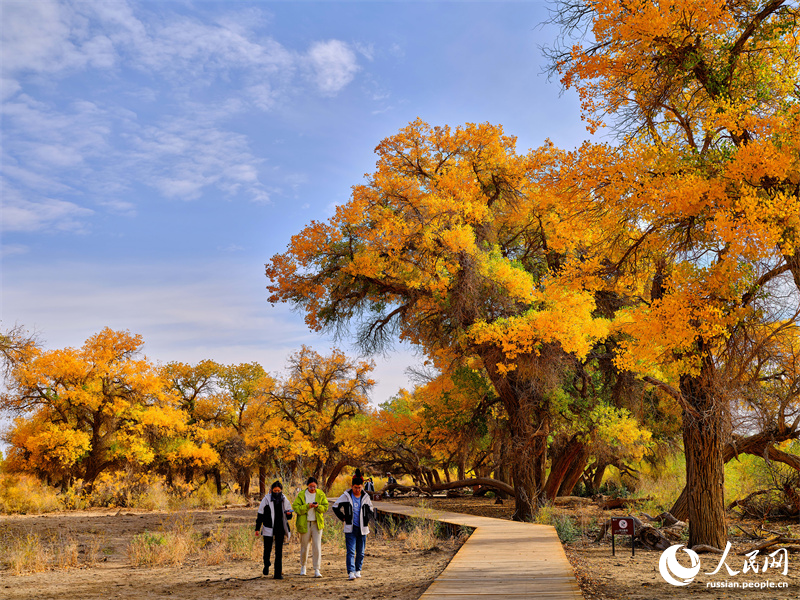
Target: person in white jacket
(272, 522)
(354, 509)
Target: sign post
(623, 525)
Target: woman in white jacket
(354, 509)
(272, 522)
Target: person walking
(310, 506)
(354, 509)
(391, 481)
(272, 522)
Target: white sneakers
(303, 571)
(358, 574)
(351, 576)
(317, 573)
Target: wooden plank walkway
(501, 559)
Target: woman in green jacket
(310, 506)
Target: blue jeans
(355, 543)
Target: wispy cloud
(334, 66)
(23, 214)
(202, 311)
(182, 158)
(173, 130)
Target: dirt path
(391, 570)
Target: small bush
(25, 494)
(565, 528)
(241, 543)
(29, 552)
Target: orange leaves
(89, 408)
(308, 408)
(449, 244)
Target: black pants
(278, 571)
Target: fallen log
(566, 500)
(704, 548)
(666, 519)
(622, 503)
(746, 500)
(429, 490)
(781, 539)
(652, 538)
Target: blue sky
(156, 154)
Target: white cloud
(13, 250)
(334, 65)
(58, 38)
(183, 157)
(231, 248)
(168, 128)
(23, 214)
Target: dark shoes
(278, 577)
(265, 572)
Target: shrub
(565, 528)
(25, 494)
(26, 554)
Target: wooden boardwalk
(501, 559)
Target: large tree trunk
(262, 481)
(575, 471)
(568, 458)
(529, 425)
(217, 480)
(337, 468)
(761, 444)
(704, 422)
(529, 429)
(243, 479)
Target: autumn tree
(231, 415)
(603, 418)
(315, 397)
(454, 245)
(447, 422)
(16, 345)
(83, 411)
(700, 202)
(192, 384)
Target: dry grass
(29, 552)
(25, 494)
(180, 541)
(26, 554)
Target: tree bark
(569, 458)
(337, 468)
(760, 444)
(575, 472)
(217, 480)
(703, 441)
(262, 481)
(529, 426)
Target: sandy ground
(603, 576)
(391, 570)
